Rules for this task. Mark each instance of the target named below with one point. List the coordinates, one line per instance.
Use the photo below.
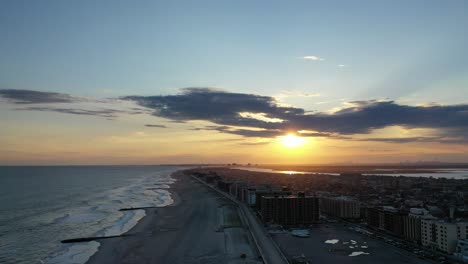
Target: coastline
(143, 224)
(448, 173)
(198, 227)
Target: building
(393, 221)
(412, 224)
(259, 193)
(461, 251)
(250, 196)
(442, 235)
(224, 185)
(343, 207)
(236, 189)
(387, 218)
(373, 218)
(290, 210)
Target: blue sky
(310, 55)
(108, 48)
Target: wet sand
(199, 227)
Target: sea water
(454, 173)
(40, 206)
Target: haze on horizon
(298, 82)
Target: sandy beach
(199, 227)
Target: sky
(151, 82)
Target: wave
(104, 216)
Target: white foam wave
(75, 254)
(125, 223)
(146, 192)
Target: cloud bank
(251, 115)
(47, 102)
(35, 97)
(106, 113)
(155, 125)
(360, 117)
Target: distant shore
(446, 172)
(363, 169)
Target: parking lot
(339, 243)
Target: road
(269, 251)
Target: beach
(199, 227)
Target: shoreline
(457, 174)
(143, 223)
(199, 226)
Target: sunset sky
(304, 82)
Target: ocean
(40, 206)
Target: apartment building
(442, 235)
(290, 210)
(343, 207)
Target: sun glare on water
(292, 141)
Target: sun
(292, 141)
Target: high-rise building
(393, 221)
(290, 210)
(412, 224)
(343, 207)
(259, 193)
(387, 219)
(250, 196)
(236, 189)
(442, 235)
(374, 218)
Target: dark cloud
(403, 140)
(268, 133)
(216, 106)
(433, 139)
(36, 97)
(362, 118)
(153, 125)
(107, 113)
(224, 108)
(227, 110)
(318, 134)
(242, 132)
(29, 97)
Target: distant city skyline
(302, 82)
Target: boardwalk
(268, 249)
